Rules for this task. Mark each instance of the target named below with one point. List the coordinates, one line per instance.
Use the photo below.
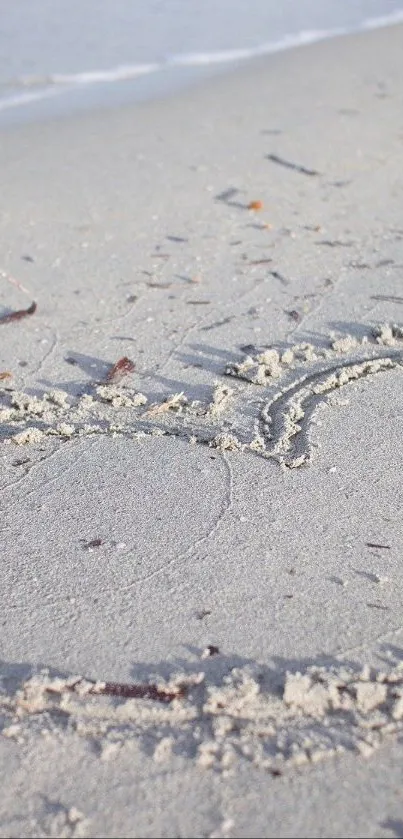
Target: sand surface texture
(201, 620)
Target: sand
(201, 598)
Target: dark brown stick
(19, 314)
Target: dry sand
(242, 245)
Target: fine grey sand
(223, 523)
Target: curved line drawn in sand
(294, 382)
(221, 717)
(236, 713)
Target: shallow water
(81, 51)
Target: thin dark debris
(203, 613)
(93, 543)
(128, 691)
(227, 195)
(290, 165)
(278, 276)
(378, 606)
(198, 302)
(375, 545)
(139, 692)
(120, 369)
(334, 243)
(19, 314)
(259, 261)
(387, 298)
(217, 323)
(340, 183)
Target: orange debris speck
(255, 205)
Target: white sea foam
(54, 84)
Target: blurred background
(80, 53)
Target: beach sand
(223, 522)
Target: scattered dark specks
(377, 545)
(210, 650)
(27, 258)
(276, 773)
(288, 596)
(93, 543)
(291, 571)
(71, 360)
(131, 298)
(21, 461)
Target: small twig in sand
(19, 314)
(125, 691)
(375, 545)
(388, 298)
(278, 276)
(289, 165)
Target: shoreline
(236, 251)
(56, 94)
